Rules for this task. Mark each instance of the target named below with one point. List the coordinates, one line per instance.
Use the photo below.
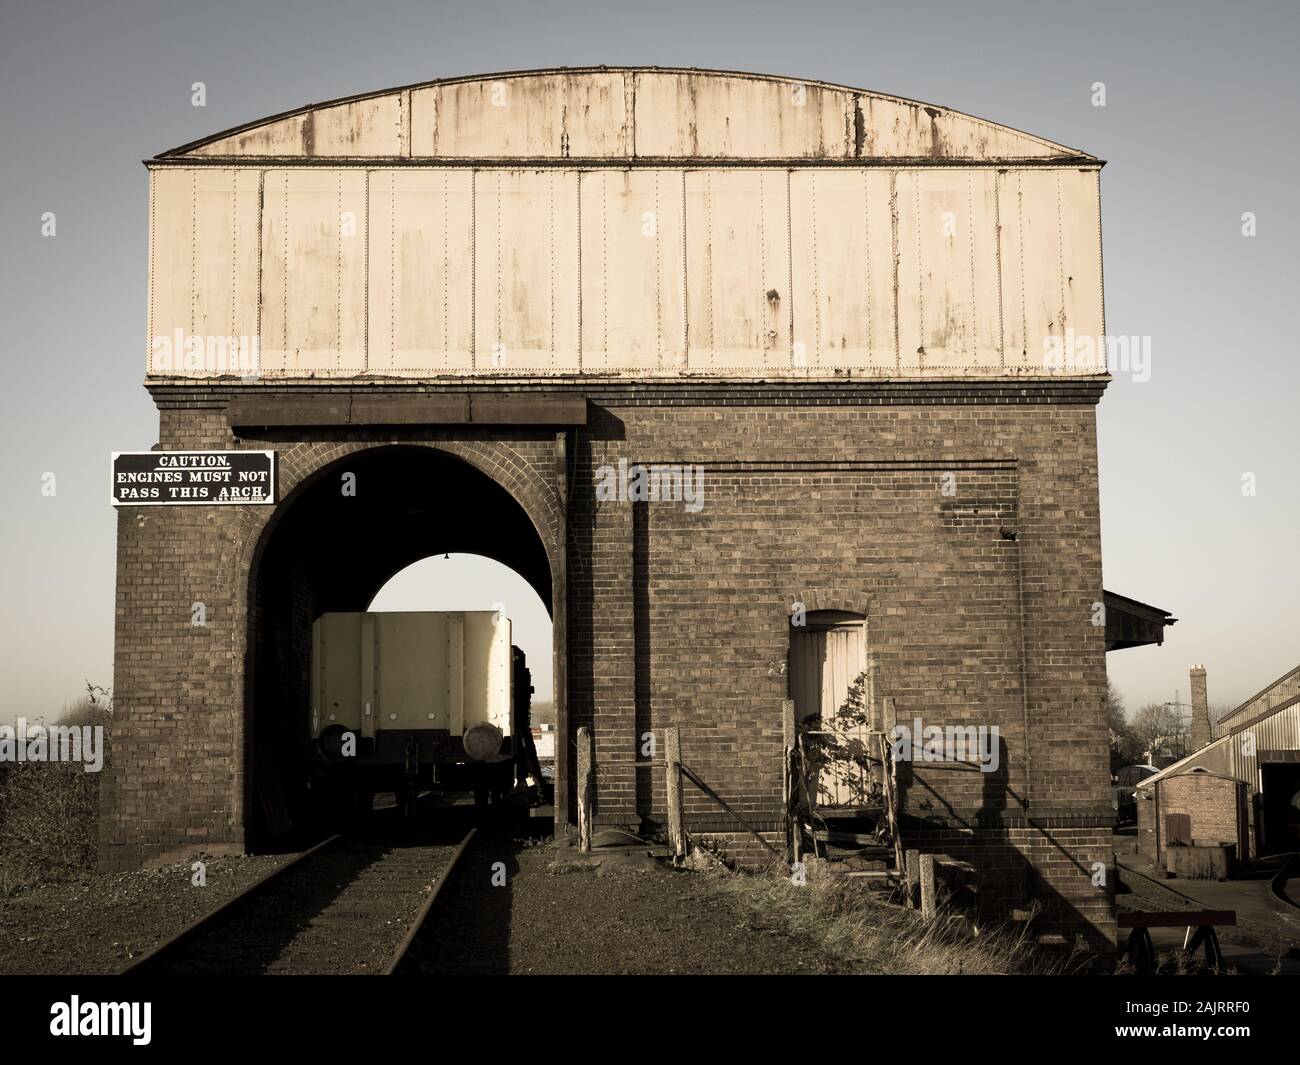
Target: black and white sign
(192, 478)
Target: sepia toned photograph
(606, 489)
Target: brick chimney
(1200, 710)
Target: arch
(814, 599)
(624, 113)
(300, 465)
(322, 550)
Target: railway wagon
(403, 701)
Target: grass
(48, 819)
(49, 811)
(871, 935)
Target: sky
(1198, 127)
(472, 582)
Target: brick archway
(509, 480)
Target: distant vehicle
(1122, 798)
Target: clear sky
(1199, 126)
(472, 582)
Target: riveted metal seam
(577, 208)
(970, 238)
(789, 259)
(686, 294)
(920, 271)
(997, 251)
(234, 252)
(1020, 240)
(194, 246)
(893, 258)
(153, 228)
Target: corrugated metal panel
(421, 263)
(737, 270)
(1237, 754)
(842, 236)
(1281, 731)
(722, 271)
(313, 269)
(633, 270)
(1285, 687)
(526, 271)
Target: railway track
(353, 904)
(1146, 893)
(1279, 884)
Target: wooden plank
(676, 819)
(891, 792)
(954, 874)
(787, 778)
(913, 866)
(837, 813)
(929, 900)
(835, 835)
(584, 788)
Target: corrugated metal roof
(1236, 754)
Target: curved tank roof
(622, 116)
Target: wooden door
(827, 667)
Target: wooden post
(560, 641)
(891, 798)
(913, 877)
(584, 789)
(676, 816)
(787, 782)
(929, 901)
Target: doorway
(828, 683)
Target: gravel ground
(342, 912)
(96, 924)
(558, 913)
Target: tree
(1218, 711)
(1161, 729)
(1125, 749)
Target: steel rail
(207, 920)
(1290, 868)
(422, 914)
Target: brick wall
(182, 770)
(1210, 801)
(964, 528)
(1219, 808)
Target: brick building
(1197, 808)
(1257, 748)
(858, 317)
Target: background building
(1258, 745)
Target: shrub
(49, 810)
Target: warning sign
(192, 478)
